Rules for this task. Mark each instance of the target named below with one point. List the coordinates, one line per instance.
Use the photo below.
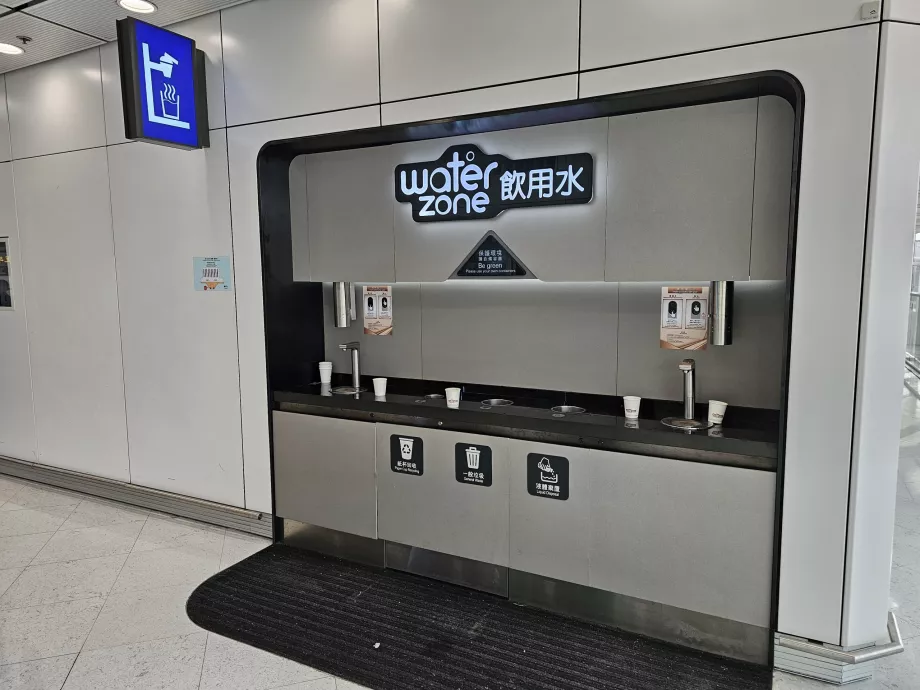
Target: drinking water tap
(355, 348)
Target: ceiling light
(10, 49)
(138, 6)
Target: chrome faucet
(355, 348)
(688, 367)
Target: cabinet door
(455, 498)
(549, 535)
(325, 472)
(679, 193)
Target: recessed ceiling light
(138, 6)
(10, 49)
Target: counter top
(735, 447)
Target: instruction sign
(548, 476)
(407, 454)
(473, 464)
(684, 318)
(213, 273)
(491, 259)
(378, 309)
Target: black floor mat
(391, 631)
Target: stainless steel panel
(749, 373)
(350, 215)
(325, 472)
(551, 537)
(434, 511)
(330, 542)
(698, 537)
(522, 333)
(689, 628)
(772, 188)
(679, 193)
(558, 243)
(465, 572)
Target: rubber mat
(391, 631)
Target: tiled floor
(92, 595)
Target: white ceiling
(61, 27)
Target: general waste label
(473, 464)
(407, 454)
(548, 476)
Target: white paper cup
(717, 411)
(325, 372)
(631, 405)
(380, 387)
(453, 397)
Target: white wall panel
(4, 123)
(244, 144)
(68, 260)
(435, 46)
(56, 106)
(205, 31)
(535, 92)
(837, 72)
(180, 355)
(289, 57)
(615, 32)
(902, 10)
(17, 421)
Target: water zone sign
(467, 184)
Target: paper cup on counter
(631, 405)
(380, 387)
(717, 411)
(325, 372)
(453, 397)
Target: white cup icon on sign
(169, 100)
(472, 457)
(405, 447)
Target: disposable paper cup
(325, 372)
(453, 397)
(631, 405)
(405, 447)
(380, 387)
(717, 411)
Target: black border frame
(281, 293)
(131, 87)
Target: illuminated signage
(467, 184)
(162, 86)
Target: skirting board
(240, 519)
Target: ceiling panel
(98, 17)
(48, 40)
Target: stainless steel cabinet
(435, 509)
(325, 472)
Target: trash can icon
(472, 457)
(405, 447)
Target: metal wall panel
(679, 193)
(435, 511)
(5, 153)
(325, 472)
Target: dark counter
(735, 447)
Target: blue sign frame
(162, 86)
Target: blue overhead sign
(163, 86)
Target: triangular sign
(492, 259)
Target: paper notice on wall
(213, 273)
(378, 309)
(684, 318)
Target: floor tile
(39, 632)
(238, 546)
(18, 552)
(95, 512)
(230, 665)
(8, 577)
(168, 533)
(42, 674)
(166, 567)
(53, 582)
(168, 664)
(33, 521)
(327, 683)
(89, 542)
(142, 616)
(41, 497)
